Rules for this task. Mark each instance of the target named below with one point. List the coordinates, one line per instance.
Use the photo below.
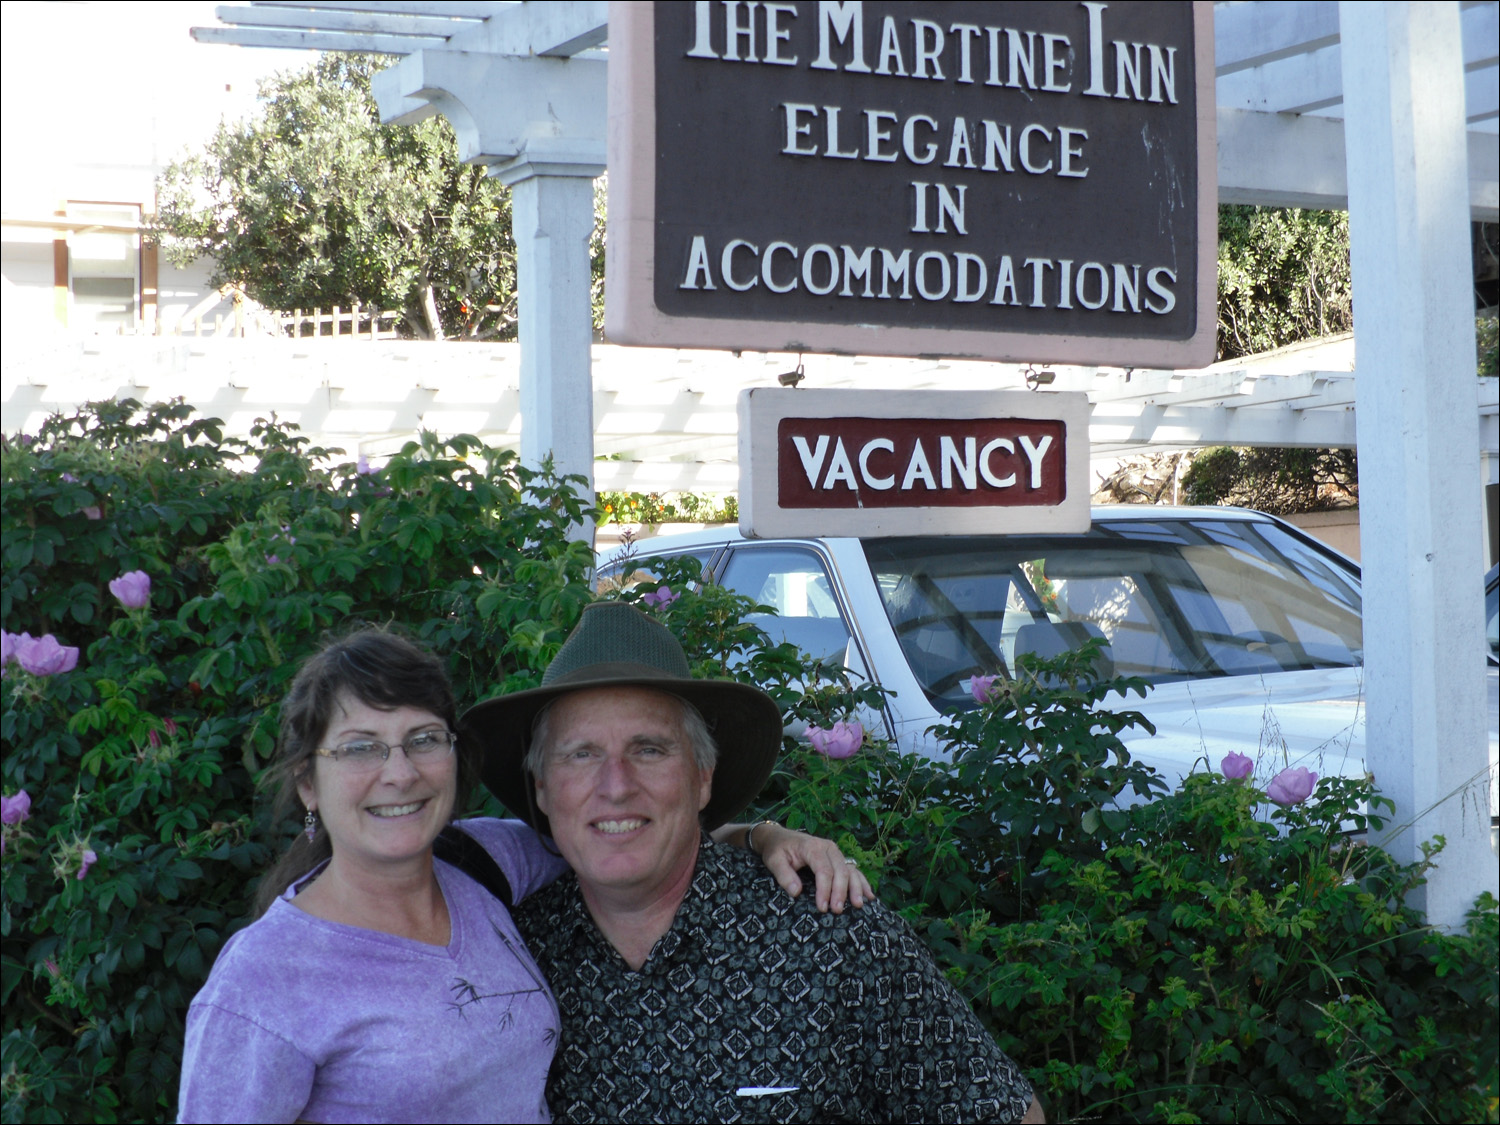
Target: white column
(1418, 438)
(552, 215)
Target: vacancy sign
(878, 463)
(1013, 181)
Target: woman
(376, 983)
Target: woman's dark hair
(378, 668)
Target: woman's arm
(529, 865)
(785, 852)
(235, 1070)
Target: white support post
(1418, 439)
(552, 215)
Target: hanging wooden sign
(1018, 181)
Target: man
(690, 988)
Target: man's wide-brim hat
(616, 645)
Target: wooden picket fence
(354, 322)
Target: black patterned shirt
(755, 1007)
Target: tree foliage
(315, 203)
(1279, 480)
(1282, 480)
(1150, 478)
(1283, 277)
(1487, 344)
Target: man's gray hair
(705, 749)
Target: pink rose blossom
(133, 589)
(1236, 765)
(89, 859)
(13, 810)
(982, 687)
(660, 598)
(52, 967)
(10, 646)
(45, 657)
(840, 741)
(1292, 786)
(170, 727)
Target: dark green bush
(1201, 956)
(146, 754)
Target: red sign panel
(920, 462)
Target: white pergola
(665, 419)
(1387, 108)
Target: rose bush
(137, 738)
(659, 598)
(10, 644)
(13, 810)
(1205, 955)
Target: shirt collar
(694, 919)
(572, 919)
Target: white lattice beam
(556, 30)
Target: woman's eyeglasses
(424, 746)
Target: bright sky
(104, 92)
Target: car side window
(623, 573)
(794, 582)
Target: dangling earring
(310, 825)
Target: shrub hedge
(1207, 955)
(146, 753)
(1204, 955)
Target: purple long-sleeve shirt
(304, 1018)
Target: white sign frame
(762, 409)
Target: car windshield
(1171, 599)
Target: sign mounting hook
(793, 377)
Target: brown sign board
(877, 463)
(1010, 181)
